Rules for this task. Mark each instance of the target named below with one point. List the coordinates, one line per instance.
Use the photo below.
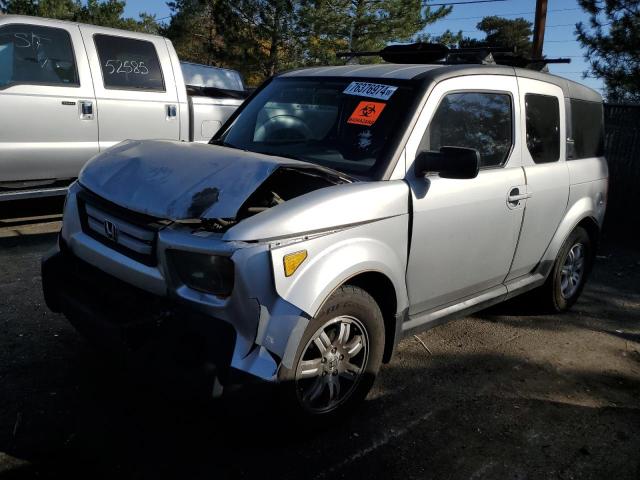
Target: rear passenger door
(546, 171)
(135, 86)
(47, 126)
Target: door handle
(86, 109)
(515, 197)
(172, 112)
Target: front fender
(334, 258)
(380, 246)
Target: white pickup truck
(69, 91)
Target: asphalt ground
(506, 393)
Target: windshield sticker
(366, 113)
(372, 90)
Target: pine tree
(21, 7)
(257, 37)
(360, 25)
(613, 46)
(503, 32)
(106, 13)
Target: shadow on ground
(504, 394)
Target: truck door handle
(172, 112)
(86, 109)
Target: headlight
(206, 273)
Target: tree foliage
(257, 37)
(108, 13)
(261, 37)
(612, 40)
(503, 32)
(330, 26)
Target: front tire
(338, 357)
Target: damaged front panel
(192, 182)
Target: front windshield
(349, 125)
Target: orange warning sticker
(366, 113)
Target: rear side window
(129, 64)
(479, 120)
(543, 127)
(587, 129)
(30, 54)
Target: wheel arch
(381, 288)
(592, 228)
(582, 214)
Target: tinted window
(129, 64)
(587, 129)
(319, 120)
(474, 120)
(36, 55)
(543, 127)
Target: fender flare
(579, 211)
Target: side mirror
(449, 162)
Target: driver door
(465, 232)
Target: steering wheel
(283, 128)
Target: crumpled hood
(178, 180)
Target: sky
(560, 39)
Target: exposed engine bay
(284, 184)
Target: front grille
(129, 233)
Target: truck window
(31, 54)
(543, 127)
(479, 120)
(129, 64)
(205, 76)
(588, 129)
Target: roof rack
(440, 54)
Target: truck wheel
(339, 355)
(570, 271)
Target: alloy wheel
(332, 364)
(572, 271)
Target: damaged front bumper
(124, 305)
(126, 320)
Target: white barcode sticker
(370, 90)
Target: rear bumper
(126, 320)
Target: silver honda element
(337, 211)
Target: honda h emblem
(111, 230)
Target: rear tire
(338, 357)
(569, 273)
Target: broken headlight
(206, 273)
